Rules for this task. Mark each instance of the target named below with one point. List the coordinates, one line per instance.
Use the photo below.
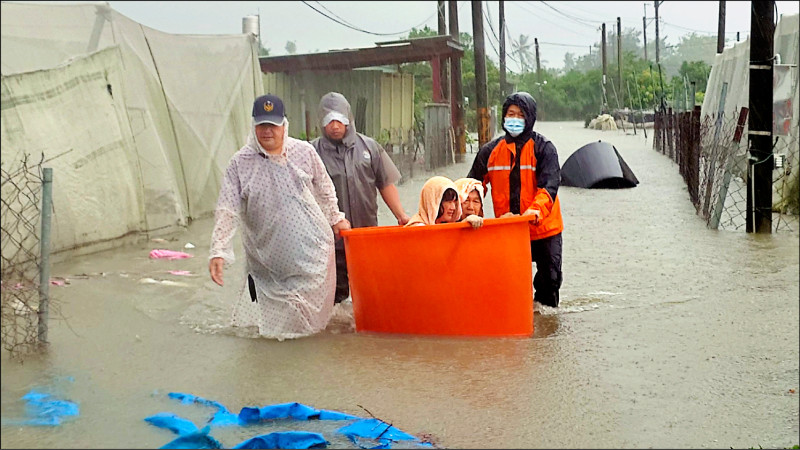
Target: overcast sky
(560, 26)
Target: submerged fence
(24, 313)
(712, 156)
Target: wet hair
(449, 195)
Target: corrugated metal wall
(388, 97)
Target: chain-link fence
(21, 187)
(713, 157)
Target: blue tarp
(44, 410)
(364, 433)
(286, 439)
(221, 418)
(295, 411)
(177, 425)
(199, 439)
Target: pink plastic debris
(168, 254)
(180, 272)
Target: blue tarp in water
(44, 410)
(286, 439)
(222, 417)
(365, 433)
(295, 411)
(199, 439)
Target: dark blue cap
(268, 109)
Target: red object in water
(168, 254)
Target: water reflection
(545, 325)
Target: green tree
(691, 47)
(291, 47)
(522, 49)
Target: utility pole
(481, 94)
(443, 61)
(503, 89)
(658, 61)
(644, 29)
(759, 120)
(456, 87)
(542, 111)
(603, 58)
(721, 27)
(619, 62)
(644, 34)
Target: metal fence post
(44, 270)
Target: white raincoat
(287, 206)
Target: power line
(563, 45)
(697, 31)
(578, 20)
(519, 4)
(353, 27)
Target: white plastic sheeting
(137, 124)
(728, 89)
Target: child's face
(448, 211)
(472, 205)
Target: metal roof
(392, 52)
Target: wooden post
(481, 94)
(443, 62)
(503, 88)
(603, 57)
(721, 27)
(457, 88)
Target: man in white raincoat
(278, 189)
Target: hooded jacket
(467, 185)
(429, 200)
(358, 165)
(523, 171)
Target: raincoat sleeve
(548, 178)
(324, 191)
(226, 215)
(386, 172)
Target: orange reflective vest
(501, 161)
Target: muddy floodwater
(669, 335)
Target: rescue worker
(359, 168)
(523, 171)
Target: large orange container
(446, 279)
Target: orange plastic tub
(445, 279)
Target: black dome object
(597, 165)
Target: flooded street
(669, 335)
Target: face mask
(514, 125)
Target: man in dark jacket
(523, 171)
(359, 168)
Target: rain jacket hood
(334, 101)
(528, 106)
(358, 165)
(429, 200)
